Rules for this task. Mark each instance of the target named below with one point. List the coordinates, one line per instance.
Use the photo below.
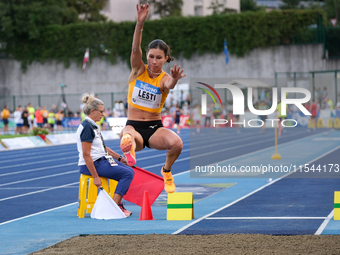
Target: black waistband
(144, 124)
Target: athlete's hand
(142, 12)
(177, 73)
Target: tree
(24, 19)
(217, 7)
(250, 5)
(332, 8)
(167, 8)
(88, 10)
(290, 4)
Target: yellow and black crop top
(145, 93)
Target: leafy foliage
(332, 7)
(291, 4)
(39, 131)
(217, 7)
(88, 10)
(333, 41)
(167, 8)
(185, 35)
(25, 19)
(250, 5)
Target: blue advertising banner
(71, 122)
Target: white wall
(118, 10)
(101, 76)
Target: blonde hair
(90, 102)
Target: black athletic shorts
(145, 128)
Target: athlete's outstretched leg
(131, 141)
(128, 147)
(165, 139)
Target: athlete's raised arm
(136, 52)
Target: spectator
(19, 122)
(54, 108)
(319, 97)
(196, 117)
(44, 112)
(207, 121)
(177, 117)
(325, 93)
(217, 113)
(59, 121)
(328, 103)
(108, 112)
(122, 109)
(188, 99)
(24, 116)
(5, 115)
(51, 120)
(168, 100)
(31, 112)
(39, 117)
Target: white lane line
(36, 162)
(223, 207)
(33, 188)
(324, 223)
(185, 150)
(266, 218)
(39, 178)
(39, 191)
(47, 188)
(34, 214)
(229, 148)
(46, 154)
(37, 169)
(249, 194)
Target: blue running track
(39, 189)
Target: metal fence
(73, 101)
(321, 84)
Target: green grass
(12, 136)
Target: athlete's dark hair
(160, 44)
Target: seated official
(95, 158)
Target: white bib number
(146, 95)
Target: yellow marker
(180, 206)
(320, 123)
(336, 205)
(330, 123)
(337, 123)
(276, 155)
(310, 124)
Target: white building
(118, 10)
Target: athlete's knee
(177, 145)
(127, 130)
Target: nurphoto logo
(239, 98)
